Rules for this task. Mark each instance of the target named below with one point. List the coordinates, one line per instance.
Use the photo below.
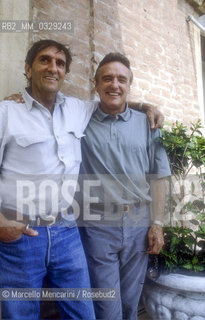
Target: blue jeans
(57, 254)
(117, 259)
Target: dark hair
(43, 44)
(112, 57)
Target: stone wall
(13, 47)
(164, 49)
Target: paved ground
(142, 315)
(50, 311)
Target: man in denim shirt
(39, 156)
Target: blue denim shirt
(40, 153)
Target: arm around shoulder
(155, 117)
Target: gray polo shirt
(120, 155)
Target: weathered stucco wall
(13, 46)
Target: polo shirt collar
(30, 102)
(101, 116)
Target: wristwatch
(158, 222)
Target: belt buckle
(52, 222)
(44, 222)
(126, 208)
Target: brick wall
(155, 36)
(76, 83)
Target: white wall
(13, 47)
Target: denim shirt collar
(30, 102)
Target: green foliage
(185, 147)
(184, 247)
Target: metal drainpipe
(198, 24)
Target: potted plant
(179, 291)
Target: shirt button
(62, 157)
(49, 118)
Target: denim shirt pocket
(26, 141)
(74, 145)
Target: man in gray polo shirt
(121, 159)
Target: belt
(115, 207)
(35, 221)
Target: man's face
(112, 85)
(47, 72)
